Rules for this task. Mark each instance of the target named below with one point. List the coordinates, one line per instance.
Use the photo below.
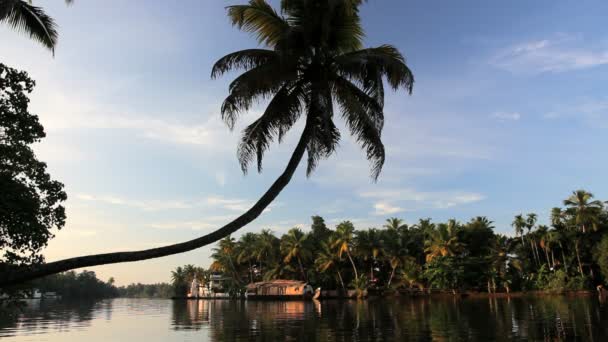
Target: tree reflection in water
(424, 319)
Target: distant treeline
(160, 290)
(72, 285)
(571, 253)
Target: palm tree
(585, 210)
(500, 261)
(343, 243)
(559, 234)
(32, 20)
(246, 252)
(395, 252)
(293, 246)
(395, 223)
(328, 259)
(314, 59)
(519, 223)
(224, 258)
(531, 219)
(543, 233)
(264, 248)
(178, 276)
(443, 241)
(179, 282)
(189, 271)
(368, 245)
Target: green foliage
(601, 257)
(160, 290)
(72, 285)
(445, 272)
(30, 201)
(559, 281)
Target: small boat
(280, 289)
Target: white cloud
(210, 222)
(506, 116)
(231, 204)
(562, 53)
(384, 208)
(591, 111)
(411, 200)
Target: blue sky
(509, 114)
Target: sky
(509, 114)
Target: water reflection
(551, 318)
(423, 319)
(48, 316)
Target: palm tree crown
(24, 17)
(443, 241)
(314, 60)
(584, 209)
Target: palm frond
(365, 120)
(281, 113)
(244, 59)
(386, 60)
(256, 83)
(260, 18)
(324, 135)
(30, 20)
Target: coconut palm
(531, 219)
(395, 252)
(519, 223)
(189, 271)
(224, 256)
(368, 245)
(264, 249)
(545, 245)
(314, 58)
(246, 252)
(328, 259)
(24, 17)
(585, 210)
(410, 274)
(443, 241)
(501, 259)
(179, 281)
(294, 246)
(395, 223)
(343, 242)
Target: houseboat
(279, 289)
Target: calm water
(555, 318)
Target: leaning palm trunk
(341, 281)
(22, 275)
(578, 257)
(547, 257)
(390, 279)
(304, 277)
(563, 257)
(353, 264)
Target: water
(550, 318)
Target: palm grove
(570, 254)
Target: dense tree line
(569, 254)
(72, 285)
(139, 290)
